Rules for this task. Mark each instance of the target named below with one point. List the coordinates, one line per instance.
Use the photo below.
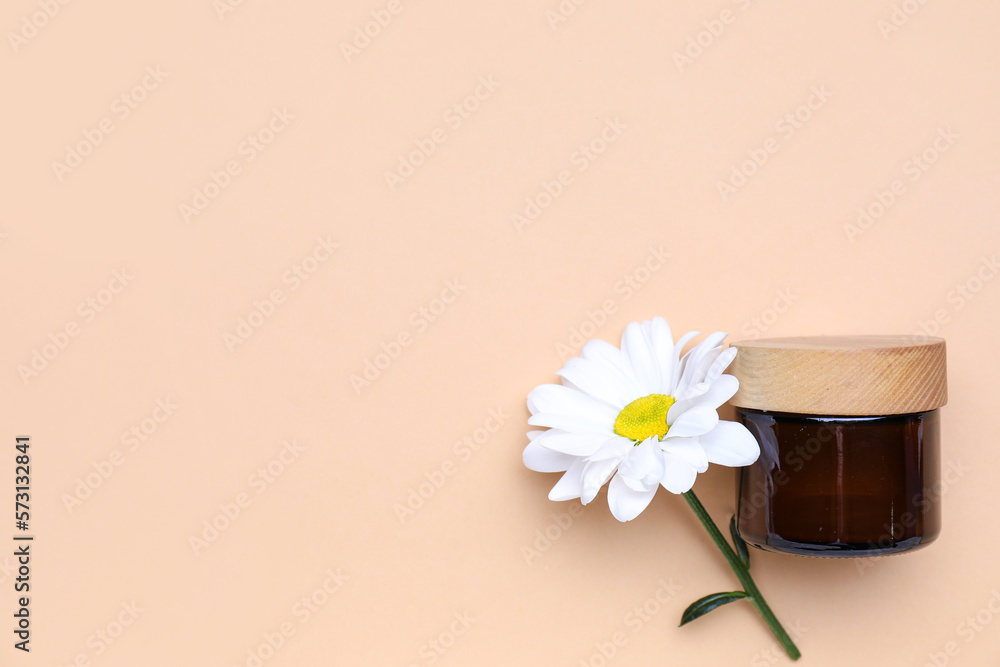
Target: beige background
(778, 255)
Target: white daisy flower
(640, 417)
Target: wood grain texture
(841, 375)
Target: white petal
(678, 474)
(721, 363)
(597, 380)
(608, 356)
(702, 369)
(678, 364)
(730, 444)
(571, 424)
(625, 503)
(689, 449)
(602, 465)
(558, 399)
(570, 485)
(662, 341)
(693, 422)
(679, 407)
(698, 360)
(574, 444)
(719, 391)
(569, 409)
(615, 447)
(637, 351)
(543, 459)
(642, 467)
(595, 475)
(705, 350)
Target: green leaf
(708, 603)
(741, 546)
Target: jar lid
(841, 375)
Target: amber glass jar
(849, 434)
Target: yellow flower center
(644, 417)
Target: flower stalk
(743, 574)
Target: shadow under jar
(848, 429)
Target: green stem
(743, 574)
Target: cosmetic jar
(849, 434)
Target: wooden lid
(841, 375)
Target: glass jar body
(841, 486)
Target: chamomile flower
(637, 418)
